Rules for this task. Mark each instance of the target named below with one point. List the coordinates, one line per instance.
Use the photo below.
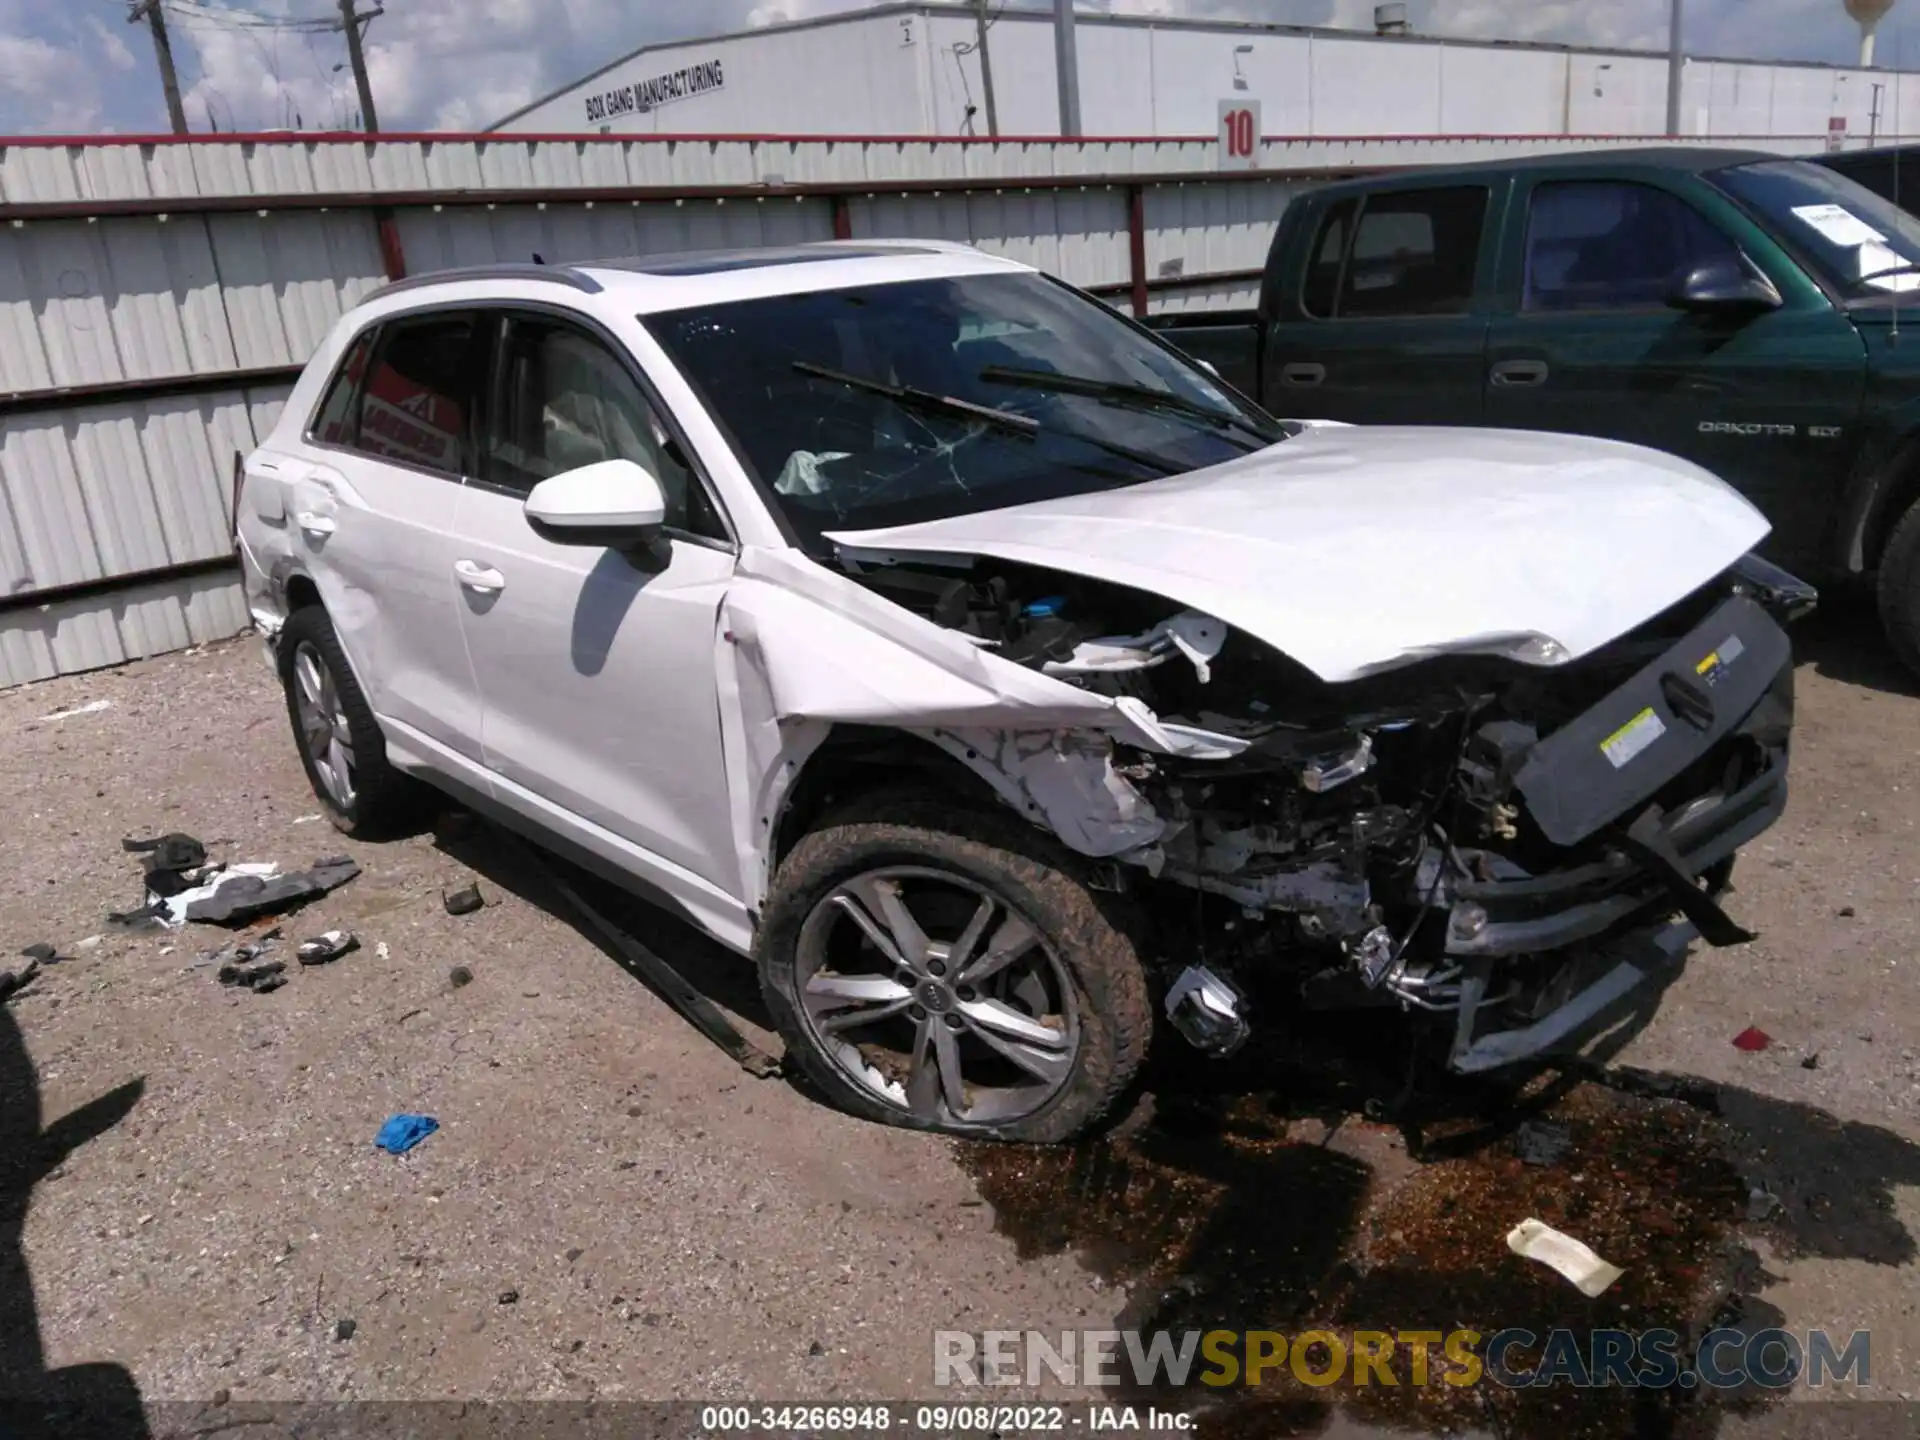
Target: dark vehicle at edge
(1739, 309)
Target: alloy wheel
(937, 996)
(324, 732)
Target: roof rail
(505, 270)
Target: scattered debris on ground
(1537, 1240)
(92, 707)
(326, 948)
(41, 951)
(247, 897)
(343, 1328)
(459, 977)
(1752, 1039)
(1542, 1142)
(402, 1132)
(463, 901)
(509, 1297)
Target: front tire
(943, 969)
(1898, 590)
(340, 743)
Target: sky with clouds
(78, 66)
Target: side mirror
(612, 504)
(1725, 286)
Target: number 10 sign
(1239, 134)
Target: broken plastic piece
(1207, 1010)
(237, 899)
(1542, 1142)
(252, 974)
(1752, 1039)
(324, 948)
(173, 861)
(92, 707)
(1196, 636)
(463, 902)
(402, 1132)
(1323, 774)
(1537, 1240)
(40, 950)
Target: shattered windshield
(893, 403)
(1862, 245)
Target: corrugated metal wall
(157, 297)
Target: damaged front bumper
(1702, 770)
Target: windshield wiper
(1118, 392)
(916, 399)
(1024, 426)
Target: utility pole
(350, 23)
(1676, 67)
(1067, 60)
(980, 23)
(163, 52)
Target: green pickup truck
(1754, 314)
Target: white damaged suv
(1001, 681)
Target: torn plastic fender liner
(1064, 777)
(801, 649)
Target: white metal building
(913, 69)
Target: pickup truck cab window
(893, 403)
(1862, 246)
(1412, 252)
(1613, 245)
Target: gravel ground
(612, 1210)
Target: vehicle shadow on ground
(724, 977)
(1843, 640)
(1254, 1195)
(80, 1401)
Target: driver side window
(562, 400)
(1613, 245)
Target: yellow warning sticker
(1633, 737)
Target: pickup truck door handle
(313, 522)
(1514, 374)
(1303, 374)
(481, 579)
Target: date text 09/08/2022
(937, 1419)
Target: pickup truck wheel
(1899, 590)
(340, 743)
(939, 968)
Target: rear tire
(1024, 1016)
(340, 743)
(1898, 590)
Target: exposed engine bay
(1511, 845)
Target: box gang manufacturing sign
(651, 94)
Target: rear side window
(333, 422)
(1613, 245)
(417, 405)
(1410, 253)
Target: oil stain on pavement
(1241, 1211)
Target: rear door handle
(481, 579)
(314, 523)
(1516, 374)
(1303, 375)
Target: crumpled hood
(1355, 549)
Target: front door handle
(1519, 374)
(314, 523)
(1303, 375)
(481, 579)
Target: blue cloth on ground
(402, 1132)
